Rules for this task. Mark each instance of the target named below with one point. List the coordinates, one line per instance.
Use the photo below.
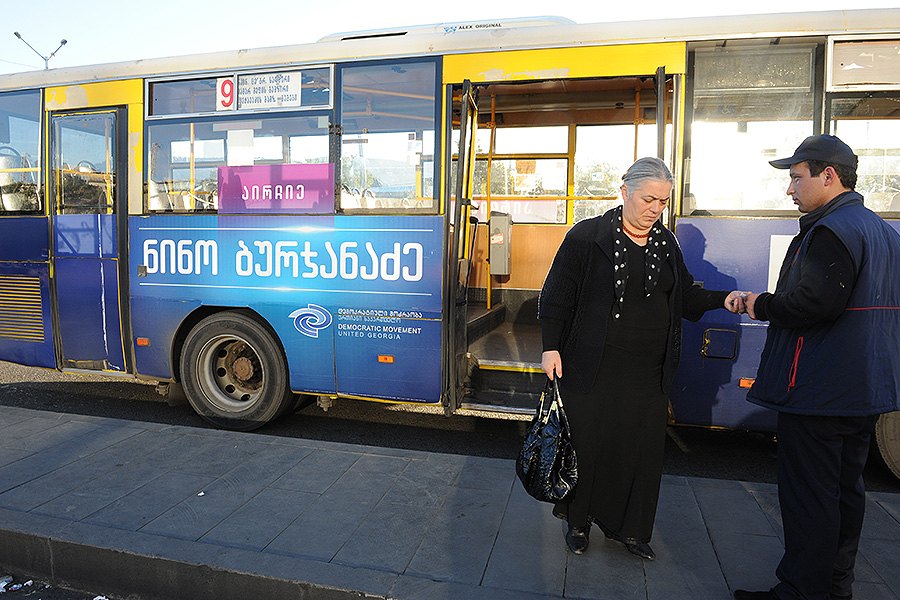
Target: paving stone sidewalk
(167, 512)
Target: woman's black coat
(579, 291)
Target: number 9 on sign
(225, 96)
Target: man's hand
(551, 362)
(750, 303)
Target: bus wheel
(234, 372)
(887, 440)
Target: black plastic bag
(546, 464)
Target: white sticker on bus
(778, 245)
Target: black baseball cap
(825, 148)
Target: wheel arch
(204, 311)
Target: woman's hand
(551, 363)
(735, 302)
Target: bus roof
(448, 28)
(458, 38)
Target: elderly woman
(611, 310)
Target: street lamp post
(62, 43)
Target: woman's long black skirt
(618, 430)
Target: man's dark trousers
(823, 502)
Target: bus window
(482, 142)
(602, 155)
(532, 140)
(480, 175)
(869, 124)
(388, 142)
(84, 174)
(185, 156)
(183, 97)
(868, 63)
(315, 87)
(559, 151)
(529, 173)
(20, 138)
(752, 103)
(309, 88)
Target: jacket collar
(604, 237)
(841, 200)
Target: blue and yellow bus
(371, 216)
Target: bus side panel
(388, 330)
(311, 278)
(391, 357)
(157, 320)
(26, 334)
(90, 326)
(87, 290)
(161, 296)
(182, 262)
(24, 239)
(726, 254)
(85, 236)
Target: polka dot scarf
(656, 252)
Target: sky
(102, 31)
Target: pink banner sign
(277, 189)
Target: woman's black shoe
(745, 595)
(577, 538)
(643, 550)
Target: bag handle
(550, 388)
(556, 391)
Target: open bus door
(456, 302)
(662, 115)
(557, 149)
(87, 206)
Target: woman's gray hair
(647, 168)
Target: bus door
(461, 248)
(87, 203)
(552, 145)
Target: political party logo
(311, 319)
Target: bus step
(510, 385)
(481, 320)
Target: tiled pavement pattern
(174, 512)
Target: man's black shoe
(577, 538)
(643, 550)
(745, 595)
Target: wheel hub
(242, 369)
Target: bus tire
(234, 372)
(887, 441)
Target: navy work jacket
(849, 366)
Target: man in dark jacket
(830, 366)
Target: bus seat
(158, 197)
(181, 201)
(347, 199)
